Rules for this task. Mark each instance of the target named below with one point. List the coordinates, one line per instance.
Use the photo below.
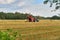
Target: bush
(8, 35)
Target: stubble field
(42, 30)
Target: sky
(34, 7)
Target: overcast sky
(35, 7)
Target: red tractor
(32, 19)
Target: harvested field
(42, 30)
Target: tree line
(10, 15)
(18, 15)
